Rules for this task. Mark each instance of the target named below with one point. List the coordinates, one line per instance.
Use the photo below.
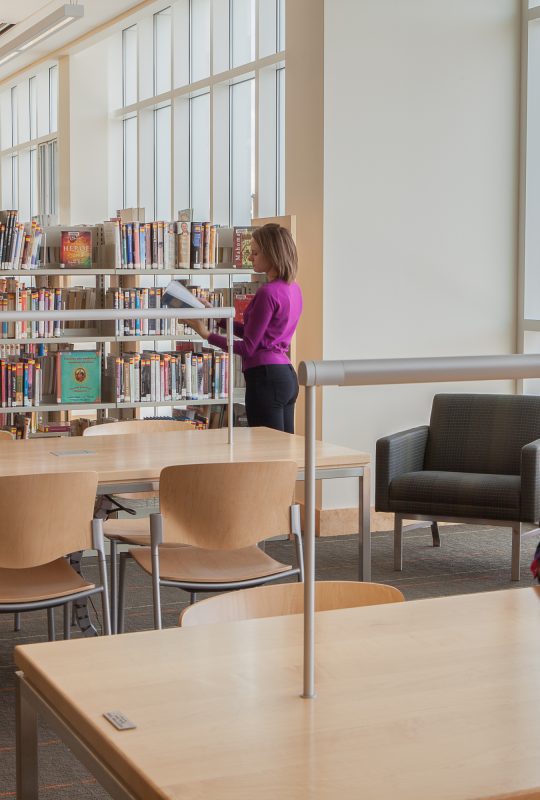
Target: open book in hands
(177, 296)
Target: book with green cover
(78, 376)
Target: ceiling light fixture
(46, 27)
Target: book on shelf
(157, 376)
(215, 416)
(242, 246)
(17, 297)
(131, 214)
(78, 376)
(209, 245)
(20, 243)
(76, 248)
(20, 381)
(123, 242)
(184, 238)
(241, 302)
(54, 427)
(196, 245)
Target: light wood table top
(427, 700)
(119, 459)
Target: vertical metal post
(309, 547)
(156, 538)
(231, 380)
(364, 523)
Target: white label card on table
(119, 720)
(73, 452)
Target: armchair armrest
(396, 454)
(530, 482)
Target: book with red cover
(76, 249)
(241, 302)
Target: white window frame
(268, 195)
(45, 179)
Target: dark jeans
(271, 393)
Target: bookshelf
(107, 344)
(222, 276)
(226, 313)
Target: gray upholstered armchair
(477, 461)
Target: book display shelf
(137, 359)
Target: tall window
(203, 109)
(529, 231)
(28, 163)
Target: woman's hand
(200, 327)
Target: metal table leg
(80, 607)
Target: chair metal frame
(519, 530)
(157, 540)
(66, 600)
(131, 427)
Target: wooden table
(427, 700)
(133, 463)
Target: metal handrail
(371, 372)
(226, 312)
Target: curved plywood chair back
(45, 516)
(286, 598)
(226, 506)
(131, 426)
(6, 435)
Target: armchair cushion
(482, 433)
(456, 494)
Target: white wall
(420, 216)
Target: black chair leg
(17, 622)
(435, 534)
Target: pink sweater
(270, 321)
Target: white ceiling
(26, 13)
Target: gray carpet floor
(471, 559)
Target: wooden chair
(6, 435)
(286, 598)
(126, 531)
(44, 518)
(129, 426)
(219, 512)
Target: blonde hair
(277, 245)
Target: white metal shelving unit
(226, 313)
(92, 337)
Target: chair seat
(197, 565)
(128, 531)
(457, 494)
(56, 579)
